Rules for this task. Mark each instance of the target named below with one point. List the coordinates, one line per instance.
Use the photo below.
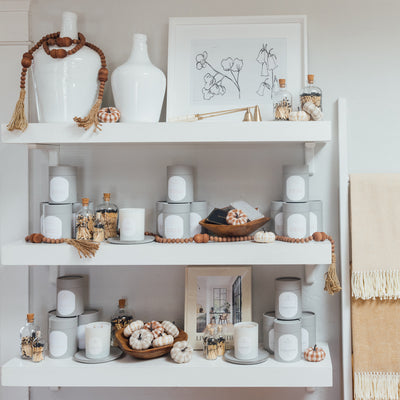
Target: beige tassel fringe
(91, 119)
(332, 283)
(384, 285)
(18, 119)
(86, 248)
(376, 385)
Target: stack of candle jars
(288, 331)
(179, 216)
(296, 216)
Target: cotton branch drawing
(269, 62)
(215, 81)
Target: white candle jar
(97, 338)
(62, 336)
(56, 221)
(131, 223)
(179, 184)
(316, 221)
(277, 217)
(296, 220)
(288, 298)
(295, 183)
(176, 221)
(160, 217)
(308, 330)
(268, 331)
(71, 295)
(198, 211)
(245, 339)
(84, 319)
(62, 184)
(287, 340)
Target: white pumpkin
(313, 110)
(163, 340)
(264, 237)
(141, 339)
(132, 327)
(170, 328)
(299, 116)
(181, 352)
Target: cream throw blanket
(375, 278)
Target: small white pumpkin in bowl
(264, 237)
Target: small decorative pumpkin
(181, 352)
(314, 354)
(163, 340)
(109, 114)
(141, 339)
(264, 237)
(132, 327)
(170, 328)
(155, 328)
(299, 116)
(313, 110)
(236, 217)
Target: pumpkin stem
(184, 349)
(315, 348)
(140, 336)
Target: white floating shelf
(180, 132)
(233, 253)
(163, 372)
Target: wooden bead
(64, 41)
(53, 53)
(186, 240)
(297, 240)
(165, 240)
(206, 238)
(26, 62)
(198, 238)
(51, 42)
(103, 74)
(224, 239)
(302, 240)
(61, 240)
(53, 241)
(61, 53)
(323, 236)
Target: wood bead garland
(201, 238)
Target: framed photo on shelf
(219, 63)
(216, 295)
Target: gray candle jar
(198, 211)
(295, 183)
(62, 336)
(288, 298)
(316, 220)
(87, 317)
(71, 295)
(62, 184)
(287, 340)
(296, 220)
(180, 184)
(160, 217)
(308, 330)
(56, 221)
(268, 331)
(176, 221)
(277, 217)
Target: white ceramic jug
(138, 86)
(65, 88)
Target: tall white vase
(67, 87)
(138, 86)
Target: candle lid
(307, 318)
(88, 316)
(269, 314)
(315, 205)
(179, 169)
(287, 326)
(176, 208)
(288, 283)
(295, 169)
(65, 170)
(293, 207)
(71, 281)
(62, 323)
(58, 208)
(276, 205)
(198, 206)
(160, 205)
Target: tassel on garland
(18, 120)
(91, 119)
(86, 248)
(332, 283)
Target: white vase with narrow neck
(138, 86)
(66, 87)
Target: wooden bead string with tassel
(18, 120)
(200, 238)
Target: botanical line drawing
(269, 62)
(215, 81)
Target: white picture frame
(235, 53)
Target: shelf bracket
(309, 274)
(52, 149)
(309, 152)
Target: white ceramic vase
(138, 86)
(65, 88)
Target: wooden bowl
(235, 230)
(148, 353)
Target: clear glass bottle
(98, 232)
(109, 213)
(38, 348)
(27, 334)
(120, 319)
(282, 102)
(84, 222)
(206, 334)
(211, 350)
(311, 93)
(221, 341)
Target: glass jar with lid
(121, 318)
(282, 102)
(27, 335)
(84, 222)
(311, 93)
(109, 215)
(98, 232)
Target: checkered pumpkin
(109, 114)
(314, 354)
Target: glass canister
(56, 222)
(62, 184)
(268, 331)
(287, 341)
(160, 217)
(282, 102)
(121, 318)
(62, 336)
(109, 216)
(176, 221)
(84, 221)
(27, 335)
(296, 220)
(308, 330)
(277, 217)
(71, 295)
(75, 209)
(311, 93)
(288, 303)
(84, 319)
(198, 211)
(179, 184)
(316, 219)
(295, 183)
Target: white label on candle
(81, 337)
(271, 338)
(297, 226)
(295, 188)
(279, 223)
(313, 223)
(65, 302)
(95, 346)
(244, 345)
(176, 188)
(173, 227)
(195, 228)
(58, 343)
(160, 224)
(288, 347)
(52, 227)
(288, 304)
(305, 339)
(59, 189)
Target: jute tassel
(332, 283)
(86, 248)
(18, 120)
(91, 118)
